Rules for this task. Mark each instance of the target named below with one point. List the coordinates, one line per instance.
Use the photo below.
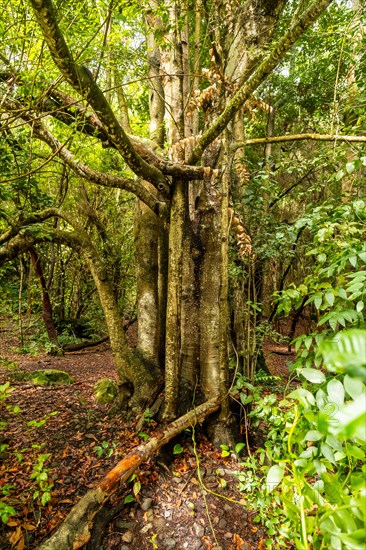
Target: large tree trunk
(174, 294)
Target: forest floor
(191, 502)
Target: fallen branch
(88, 344)
(84, 344)
(75, 531)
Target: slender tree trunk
(174, 290)
(190, 311)
(147, 292)
(135, 378)
(46, 303)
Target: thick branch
(257, 77)
(26, 239)
(89, 124)
(82, 169)
(75, 532)
(32, 219)
(298, 137)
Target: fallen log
(75, 531)
(84, 344)
(89, 344)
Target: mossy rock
(105, 391)
(49, 377)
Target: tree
(203, 66)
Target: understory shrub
(308, 483)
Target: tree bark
(147, 291)
(46, 303)
(174, 290)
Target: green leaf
(239, 447)
(335, 392)
(334, 443)
(353, 386)
(329, 296)
(327, 452)
(356, 452)
(128, 499)
(136, 488)
(346, 352)
(46, 497)
(350, 420)
(313, 375)
(308, 341)
(310, 452)
(313, 435)
(303, 396)
(318, 301)
(274, 477)
(350, 167)
(360, 306)
(178, 449)
(342, 293)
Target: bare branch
(298, 137)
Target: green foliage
(6, 364)
(314, 483)
(105, 449)
(50, 377)
(336, 285)
(178, 449)
(40, 476)
(105, 391)
(6, 511)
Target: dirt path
(175, 505)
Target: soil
(186, 500)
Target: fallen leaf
(12, 522)
(28, 526)
(15, 536)
(238, 541)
